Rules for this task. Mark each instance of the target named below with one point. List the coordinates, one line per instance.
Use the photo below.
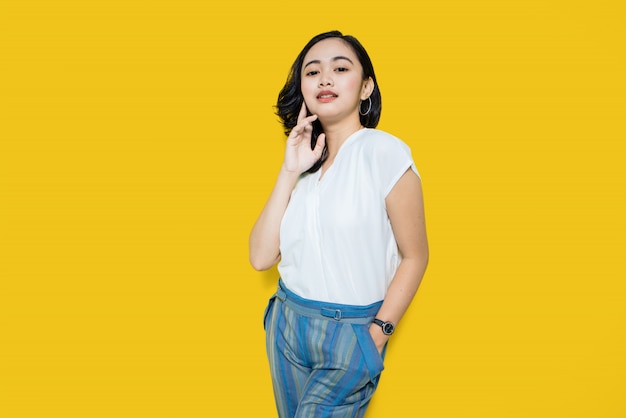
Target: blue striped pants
(322, 358)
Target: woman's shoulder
(378, 140)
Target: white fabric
(336, 241)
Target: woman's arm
(405, 208)
(264, 238)
(265, 235)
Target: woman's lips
(326, 96)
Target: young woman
(345, 222)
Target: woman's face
(332, 81)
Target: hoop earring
(368, 108)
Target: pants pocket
(268, 308)
(371, 357)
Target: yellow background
(138, 145)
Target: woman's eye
(310, 73)
(341, 69)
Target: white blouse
(336, 241)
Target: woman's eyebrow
(340, 57)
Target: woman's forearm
(402, 289)
(406, 212)
(265, 235)
(399, 295)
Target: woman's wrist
(288, 174)
(379, 338)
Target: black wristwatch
(388, 327)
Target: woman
(345, 222)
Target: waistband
(339, 312)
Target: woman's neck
(337, 134)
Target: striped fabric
(322, 358)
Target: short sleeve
(393, 160)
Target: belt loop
(337, 316)
(280, 294)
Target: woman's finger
(302, 113)
(319, 145)
(308, 120)
(303, 124)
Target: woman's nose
(326, 81)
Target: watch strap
(378, 322)
(387, 327)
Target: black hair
(290, 97)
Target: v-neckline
(323, 173)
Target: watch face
(388, 328)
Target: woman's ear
(368, 88)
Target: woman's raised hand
(299, 156)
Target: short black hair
(290, 97)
